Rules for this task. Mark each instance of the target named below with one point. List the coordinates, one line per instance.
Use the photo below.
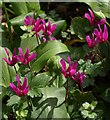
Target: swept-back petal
(87, 16)
(102, 21)
(25, 91)
(20, 51)
(6, 60)
(14, 52)
(53, 27)
(92, 14)
(63, 63)
(13, 87)
(69, 61)
(32, 56)
(24, 83)
(6, 51)
(105, 33)
(26, 54)
(72, 72)
(18, 81)
(96, 32)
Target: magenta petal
(24, 84)
(69, 61)
(88, 17)
(75, 64)
(96, 32)
(72, 72)
(26, 90)
(49, 26)
(14, 52)
(102, 21)
(92, 14)
(26, 54)
(32, 56)
(6, 51)
(18, 81)
(6, 60)
(53, 28)
(105, 33)
(44, 39)
(20, 51)
(63, 63)
(13, 87)
(18, 92)
(49, 33)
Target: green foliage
(61, 25)
(99, 5)
(46, 51)
(50, 95)
(87, 110)
(13, 100)
(8, 72)
(50, 107)
(80, 27)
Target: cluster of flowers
(71, 71)
(98, 35)
(40, 25)
(24, 59)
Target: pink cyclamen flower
(101, 36)
(71, 70)
(20, 90)
(92, 19)
(29, 21)
(10, 61)
(38, 26)
(48, 30)
(27, 57)
(79, 77)
(92, 42)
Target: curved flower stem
(9, 24)
(15, 69)
(30, 69)
(66, 96)
(38, 42)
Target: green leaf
(60, 25)
(82, 97)
(40, 80)
(54, 92)
(100, 5)
(106, 95)
(80, 26)
(8, 72)
(19, 7)
(19, 19)
(13, 100)
(33, 6)
(30, 43)
(46, 51)
(48, 108)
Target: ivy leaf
(13, 100)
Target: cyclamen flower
(71, 70)
(10, 61)
(27, 57)
(79, 77)
(29, 21)
(101, 36)
(92, 42)
(92, 19)
(48, 30)
(38, 26)
(20, 90)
